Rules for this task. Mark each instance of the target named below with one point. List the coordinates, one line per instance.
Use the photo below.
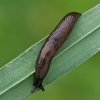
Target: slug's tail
(38, 85)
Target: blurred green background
(25, 22)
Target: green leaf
(16, 77)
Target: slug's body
(51, 45)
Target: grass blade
(16, 76)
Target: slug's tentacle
(38, 85)
(50, 47)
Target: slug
(50, 47)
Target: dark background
(25, 22)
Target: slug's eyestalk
(38, 85)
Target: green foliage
(84, 41)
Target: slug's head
(37, 84)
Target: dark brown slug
(50, 47)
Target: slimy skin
(54, 41)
